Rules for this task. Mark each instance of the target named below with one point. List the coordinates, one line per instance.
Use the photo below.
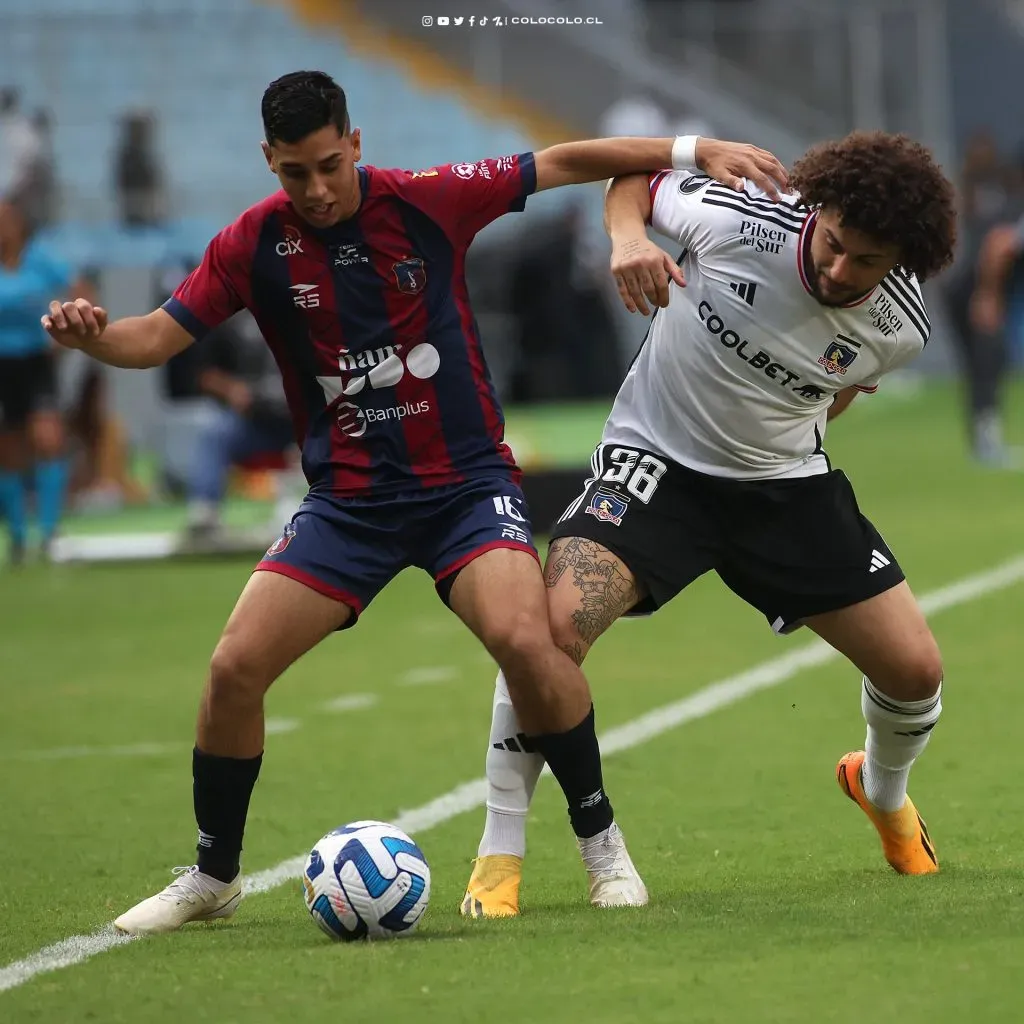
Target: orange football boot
(905, 841)
(493, 889)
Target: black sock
(221, 787)
(575, 761)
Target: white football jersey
(736, 375)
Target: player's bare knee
(518, 640)
(917, 677)
(236, 678)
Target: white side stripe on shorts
(596, 468)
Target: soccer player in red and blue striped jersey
(355, 276)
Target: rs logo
(306, 296)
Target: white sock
(512, 775)
(898, 731)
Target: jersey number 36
(639, 473)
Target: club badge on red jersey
(411, 275)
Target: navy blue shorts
(350, 549)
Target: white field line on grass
(351, 702)
(65, 753)
(273, 727)
(471, 795)
(278, 726)
(427, 676)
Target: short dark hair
(889, 187)
(303, 102)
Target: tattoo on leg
(605, 591)
(575, 651)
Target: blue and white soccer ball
(366, 880)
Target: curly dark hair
(889, 187)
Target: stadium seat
(208, 125)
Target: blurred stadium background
(137, 158)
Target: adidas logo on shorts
(878, 561)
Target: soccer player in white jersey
(712, 456)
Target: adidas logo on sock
(593, 800)
(878, 561)
(518, 744)
(206, 840)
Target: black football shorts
(792, 548)
(28, 384)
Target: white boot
(192, 896)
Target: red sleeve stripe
(866, 390)
(655, 181)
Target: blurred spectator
(567, 344)
(999, 272)
(138, 175)
(41, 198)
(987, 182)
(249, 417)
(31, 431)
(989, 197)
(20, 145)
(100, 477)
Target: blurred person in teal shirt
(31, 430)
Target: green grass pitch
(770, 899)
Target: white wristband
(684, 153)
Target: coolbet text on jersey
(736, 375)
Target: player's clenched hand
(642, 271)
(731, 162)
(75, 324)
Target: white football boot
(192, 896)
(614, 881)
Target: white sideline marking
(471, 795)
(64, 753)
(276, 726)
(61, 954)
(273, 727)
(351, 702)
(427, 676)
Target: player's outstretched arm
(574, 163)
(841, 403)
(134, 343)
(641, 270)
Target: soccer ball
(367, 880)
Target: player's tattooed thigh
(605, 588)
(575, 651)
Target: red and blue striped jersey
(370, 324)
